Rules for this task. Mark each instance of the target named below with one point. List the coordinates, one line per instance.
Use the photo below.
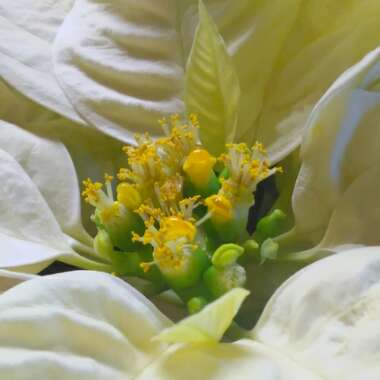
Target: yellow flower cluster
(246, 167)
(161, 185)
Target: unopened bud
(196, 304)
(226, 255)
(198, 166)
(269, 250)
(103, 244)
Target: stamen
(108, 180)
(91, 191)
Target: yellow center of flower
(142, 154)
(198, 166)
(175, 227)
(128, 195)
(247, 167)
(220, 208)
(171, 237)
(167, 259)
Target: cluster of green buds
(178, 218)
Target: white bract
(321, 324)
(41, 216)
(335, 198)
(28, 30)
(10, 278)
(119, 65)
(77, 77)
(115, 67)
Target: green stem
(305, 257)
(88, 252)
(235, 332)
(83, 263)
(83, 237)
(170, 297)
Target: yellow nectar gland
(198, 166)
(220, 208)
(128, 195)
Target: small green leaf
(209, 324)
(212, 88)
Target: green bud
(251, 252)
(226, 255)
(219, 281)
(126, 263)
(190, 274)
(153, 275)
(196, 304)
(271, 225)
(221, 232)
(103, 245)
(251, 247)
(120, 222)
(269, 250)
(129, 264)
(200, 176)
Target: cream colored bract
(78, 77)
(90, 62)
(119, 65)
(321, 324)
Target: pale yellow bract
(321, 324)
(79, 78)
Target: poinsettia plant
(80, 78)
(178, 223)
